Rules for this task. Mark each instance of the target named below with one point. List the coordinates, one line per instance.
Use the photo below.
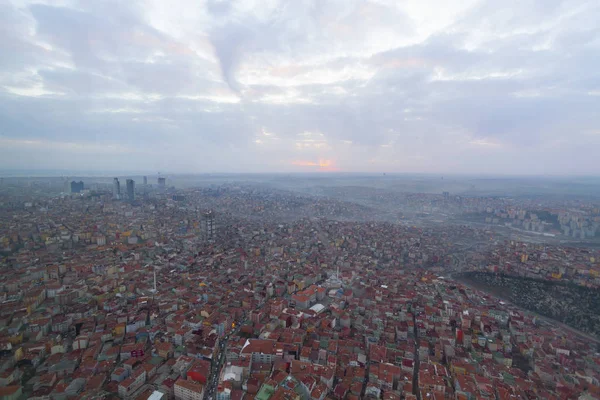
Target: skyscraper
(131, 189)
(145, 187)
(116, 189)
(162, 183)
(76, 187)
(209, 225)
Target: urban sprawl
(231, 292)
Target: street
(212, 382)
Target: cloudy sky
(464, 86)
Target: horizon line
(57, 173)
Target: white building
(156, 395)
(188, 390)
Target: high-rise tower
(209, 225)
(130, 189)
(116, 189)
(76, 187)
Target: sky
(203, 86)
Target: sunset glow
(321, 165)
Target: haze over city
(301, 86)
(299, 200)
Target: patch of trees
(576, 306)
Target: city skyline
(467, 87)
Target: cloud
(229, 42)
(273, 85)
(484, 143)
(218, 7)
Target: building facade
(130, 189)
(116, 189)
